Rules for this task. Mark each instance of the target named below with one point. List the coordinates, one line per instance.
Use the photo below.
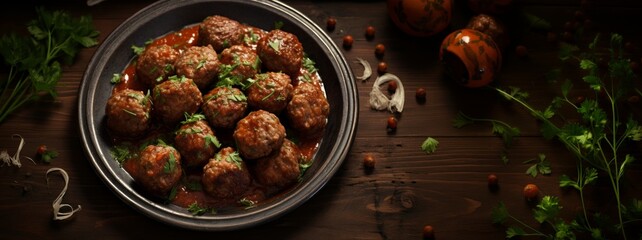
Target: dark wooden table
(408, 188)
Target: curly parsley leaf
(429, 145)
(543, 166)
(197, 210)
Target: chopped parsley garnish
(276, 44)
(116, 78)
(248, 204)
(122, 153)
(211, 139)
(170, 165)
(191, 118)
(138, 50)
(308, 65)
(197, 210)
(201, 64)
(278, 24)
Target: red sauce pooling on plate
(189, 191)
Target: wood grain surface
(407, 189)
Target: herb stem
(536, 233)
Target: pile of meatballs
(237, 79)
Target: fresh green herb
(121, 153)
(248, 204)
(543, 166)
(201, 64)
(304, 165)
(308, 65)
(268, 96)
(116, 78)
(233, 157)
(240, 97)
(600, 137)
(211, 139)
(500, 128)
(177, 79)
(278, 24)
(129, 112)
(429, 145)
(546, 212)
(138, 50)
(172, 194)
(504, 157)
(48, 156)
(34, 61)
(275, 44)
(197, 210)
(192, 118)
(170, 165)
(250, 37)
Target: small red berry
(382, 68)
(42, 149)
(633, 99)
(331, 23)
(579, 100)
(370, 32)
(392, 123)
(392, 86)
(428, 232)
(369, 161)
(492, 180)
(531, 191)
(348, 41)
(421, 93)
(380, 49)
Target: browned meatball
(279, 169)
(158, 169)
(308, 110)
(237, 64)
(220, 32)
(281, 52)
(270, 91)
(198, 63)
(175, 98)
(226, 175)
(258, 134)
(252, 35)
(128, 113)
(155, 64)
(224, 106)
(195, 140)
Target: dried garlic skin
(367, 70)
(379, 101)
(58, 206)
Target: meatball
(175, 98)
(281, 52)
(198, 63)
(279, 169)
(155, 64)
(224, 106)
(308, 110)
(220, 32)
(258, 134)
(158, 169)
(252, 35)
(195, 140)
(237, 64)
(128, 113)
(270, 91)
(226, 176)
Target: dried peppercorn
(428, 232)
(369, 161)
(392, 86)
(531, 191)
(382, 68)
(421, 94)
(370, 32)
(392, 124)
(380, 49)
(348, 41)
(331, 23)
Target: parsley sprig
(500, 128)
(600, 136)
(34, 60)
